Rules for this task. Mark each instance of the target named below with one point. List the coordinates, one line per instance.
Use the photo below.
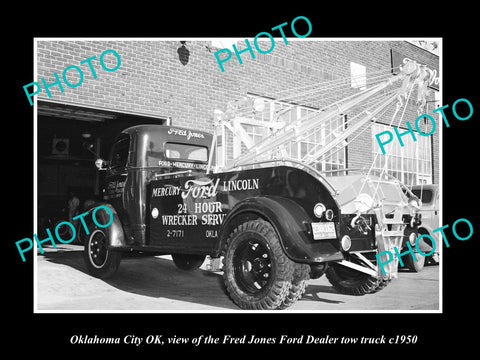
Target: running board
(357, 267)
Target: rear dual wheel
(257, 273)
(299, 284)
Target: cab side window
(119, 156)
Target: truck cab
(140, 155)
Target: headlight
(319, 209)
(412, 238)
(363, 202)
(346, 242)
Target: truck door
(185, 214)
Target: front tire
(257, 273)
(100, 261)
(415, 266)
(418, 264)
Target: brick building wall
(152, 81)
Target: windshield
(424, 194)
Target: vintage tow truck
(275, 223)
(274, 226)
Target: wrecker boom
(411, 74)
(389, 204)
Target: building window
(411, 163)
(257, 133)
(358, 76)
(278, 111)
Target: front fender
(422, 245)
(291, 223)
(114, 232)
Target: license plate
(323, 230)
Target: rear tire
(352, 282)
(299, 285)
(188, 262)
(257, 273)
(317, 271)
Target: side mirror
(101, 164)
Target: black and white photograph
(292, 181)
(268, 188)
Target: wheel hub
(253, 265)
(98, 249)
(258, 265)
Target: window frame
(400, 155)
(184, 159)
(318, 137)
(121, 139)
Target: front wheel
(100, 261)
(257, 273)
(415, 266)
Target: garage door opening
(69, 140)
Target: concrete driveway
(153, 284)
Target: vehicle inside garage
(70, 139)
